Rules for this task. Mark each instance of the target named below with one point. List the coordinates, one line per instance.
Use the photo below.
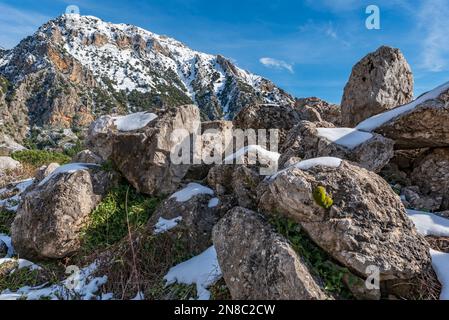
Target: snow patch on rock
(190, 191)
(346, 137)
(202, 270)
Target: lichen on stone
(322, 198)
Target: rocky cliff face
(76, 67)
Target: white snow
(429, 224)
(21, 263)
(329, 162)
(190, 191)
(78, 286)
(139, 296)
(376, 121)
(12, 203)
(7, 240)
(202, 270)
(163, 225)
(346, 137)
(440, 263)
(134, 121)
(160, 61)
(213, 202)
(253, 149)
(68, 168)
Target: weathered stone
(51, 215)
(196, 220)
(87, 156)
(380, 81)
(258, 264)
(316, 110)
(8, 163)
(8, 145)
(365, 224)
(45, 171)
(305, 142)
(144, 155)
(267, 116)
(431, 174)
(424, 126)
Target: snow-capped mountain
(76, 67)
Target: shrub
(38, 158)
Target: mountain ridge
(99, 67)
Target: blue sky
(306, 47)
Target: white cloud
(433, 22)
(276, 64)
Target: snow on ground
(202, 270)
(21, 263)
(7, 240)
(12, 203)
(429, 224)
(139, 296)
(190, 191)
(346, 137)
(213, 202)
(376, 121)
(329, 162)
(440, 263)
(68, 168)
(252, 150)
(163, 225)
(82, 285)
(134, 121)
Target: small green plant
(71, 152)
(320, 263)
(38, 158)
(14, 279)
(108, 223)
(6, 219)
(322, 198)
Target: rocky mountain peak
(95, 67)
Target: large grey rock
(87, 156)
(380, 81)
(431, 174)
(8, 163)
(351, 213)
(267, 116)
(52, 214)
(194, 221)
(423, 126)
(316, 110)
(8, 145)
(143, 155)
(258, 264)
(305, 142)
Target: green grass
(108, 222)
(38, 158)
(319, 262)
(18, 278)
(6, 220)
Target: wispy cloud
(17, 24)
(433, 22)
(276, 64)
